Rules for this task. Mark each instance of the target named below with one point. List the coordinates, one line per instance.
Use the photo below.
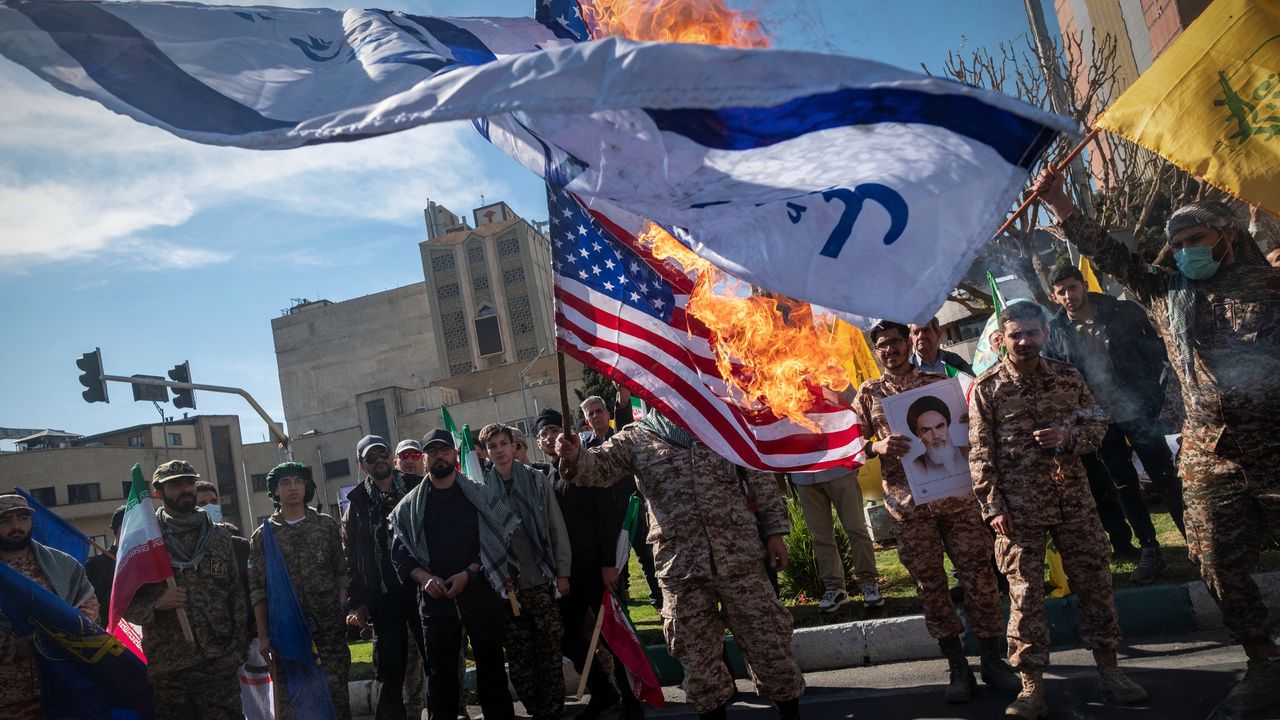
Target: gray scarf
(378, 517)
(657, 424)
(496, 525)
(526, 502)
(65, 576)
(171, 527)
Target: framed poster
(936, 419)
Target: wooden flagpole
(1057, 168)
(182, 614)
(591, 651)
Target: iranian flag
(468, 461)
(618, 631)
(141, 558)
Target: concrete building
(85, 478)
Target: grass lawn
(895, 584)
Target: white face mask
(214, 511)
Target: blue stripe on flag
(83, 671)
(128, 65)
(465, 47)
(1017, 139)
(52, 531)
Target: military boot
(995, 670)
(1030, 704)
(1260, 687)
(962, 685)
(1113, 679)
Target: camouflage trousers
(967, 540)
(209, 691)
(532, 642)
(1085, 555)
(19, 683)
(335, 659)
(1230, 508)
(693, 626)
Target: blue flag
(84, 672)
(297, 661)
(52, 531)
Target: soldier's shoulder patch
(1062, 367)
(986, 377)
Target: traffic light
(95, 388)
(182, 398)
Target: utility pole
(164, 428)
(1077, 173)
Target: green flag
(468, 461)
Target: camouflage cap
(14, 503)
(172, 470)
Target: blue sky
(117, 235)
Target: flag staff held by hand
(182, 614)
(1058, 168)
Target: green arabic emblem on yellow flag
(1255, 110)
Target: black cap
(370, 441)
(439, 436)
(117, 518)
(548, 417)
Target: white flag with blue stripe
(843, 182)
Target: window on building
(454, 325)
(46, 496)
(508, 246)
(377, 411)
(83, 493)
(521, 314)
(480, 282)
(135, 441)
(461, 368)
(175, 440)
(442, 260)
(488, 334)
(475, 253)
(125, 487)
(527, 353)
(448, 291)
(513, 275)
(259, 482)
(98, 541)
(340, 468)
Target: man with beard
(449, 546)
(53, 570)
(925, 530)
(376, 592)
(197, 679)
(311, 547)
(1217, 314)
(1030, 420)
(929, 419)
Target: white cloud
(78, 181)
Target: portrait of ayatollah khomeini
(929, 419)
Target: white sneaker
(832, 600)
(871, 593)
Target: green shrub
(800, 583)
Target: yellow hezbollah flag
(1211, 103)
(856, 357)
(1090, 280)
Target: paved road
(1186, 677)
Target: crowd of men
(513, 561)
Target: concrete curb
(1143, 612)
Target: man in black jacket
(377, 594)
(1122, 358)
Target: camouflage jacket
(872, 422)
(215, 608)
(700, 522)
(312, 551)
(1011, 473)
(1237, 343)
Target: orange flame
(766, 347)
(705, 22)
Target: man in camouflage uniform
(55, 571)
(1218, 316)
(311, 545)
(926, 530)
(200, 679)
(1030, 420)
(707, 553)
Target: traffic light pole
(271, 425)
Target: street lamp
(524, 395)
